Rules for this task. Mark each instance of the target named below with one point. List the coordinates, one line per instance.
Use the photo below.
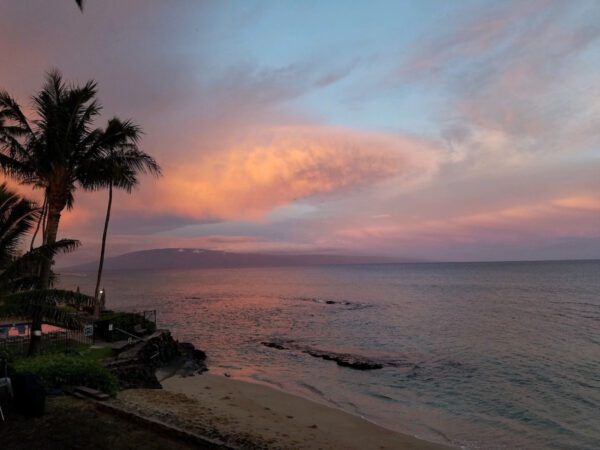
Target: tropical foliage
(62, 150)
(21, 291)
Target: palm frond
(9, 108)
(15, 168)
(17, 216)
(23, 273)
(44, 303)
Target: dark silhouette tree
(119, 169)
(60, 150)
(21, 291)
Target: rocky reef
(351, 361)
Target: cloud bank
(470, 133)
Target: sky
(446, 131)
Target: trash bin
(30, 396)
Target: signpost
(88, 330)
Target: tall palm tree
(59, 151)
(119, 169)
(21, 293)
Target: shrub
(59, 371)
(6, 357)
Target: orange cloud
(581, 202)
(276, 166)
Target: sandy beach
(249, 415)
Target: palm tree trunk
(103, 248)
(53, 218)
(52, 221)
(42, 217)
(45, 223)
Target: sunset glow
(438, 131)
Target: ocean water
(482, 355)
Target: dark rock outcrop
(135, 365)
(194, 360)
(345, 359)
(133, 373)
(277, 345)
(351, 361)
(342, 303)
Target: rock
(276, 344)
(134, 374)
(356, 362)
(135, 367)
(195, 359)
(346, 360)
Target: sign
(110, 327)
(88, 330)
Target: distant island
(193, 258)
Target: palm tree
(59, 151)
(120, 169)
(21, 294)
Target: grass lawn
(87, 351)
(97, 353)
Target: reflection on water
(494, 355)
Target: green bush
(6, 357)
(59, 371)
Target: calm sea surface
(486, 355)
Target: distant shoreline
(91, 268)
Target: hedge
(60, 371)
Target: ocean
(478, 355)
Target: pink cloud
(555, 217)
(275, 166)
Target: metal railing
(127, 333)
(51, 342)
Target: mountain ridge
(196, 258)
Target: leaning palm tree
(59, 151)
(120, 168)
(21, 293)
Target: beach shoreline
(245, 414)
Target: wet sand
(250, 415)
